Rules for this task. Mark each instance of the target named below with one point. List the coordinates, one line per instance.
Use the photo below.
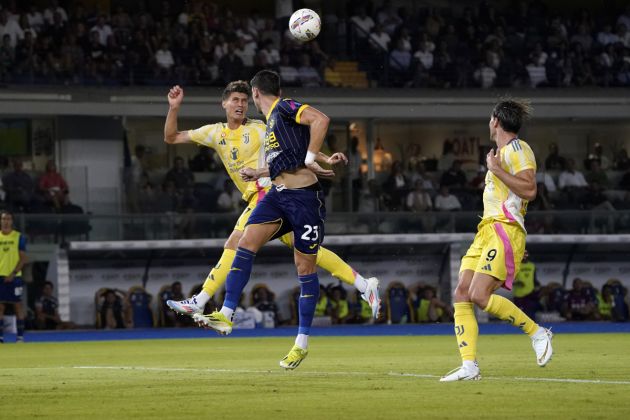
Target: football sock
(332, 263)
(20, 327)
(302, 341)
(309, 295)
(360, 283)
(504, 309)
(217, 275)
(466, 330)
(238, 277)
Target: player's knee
(305, 266)
(479, 296)
(233, 240)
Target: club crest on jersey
(246, 138)
(234, 153)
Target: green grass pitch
(343, 377)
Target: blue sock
(309, 295)
(20, 327)
(238, 277)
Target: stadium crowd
(418, 304)
(201, 43)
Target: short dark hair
(7, 212)
(512, 113)
(239, 86)
(49, 283)
(267, 81)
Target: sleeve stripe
(298, 116)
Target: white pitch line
(341, 373)
(525, 379)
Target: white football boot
(372, 296)
(188, 307)
(541, 342)
(466, 372)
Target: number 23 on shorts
(311, 233)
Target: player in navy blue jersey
(294, 135)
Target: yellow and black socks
(504, 309)
(332, 263)
(466, 330)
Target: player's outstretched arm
(171, 135)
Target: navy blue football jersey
(286, 140)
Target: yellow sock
(329, 261)
(332, 263)
(219, 273)
(466, 330)
(503, 309)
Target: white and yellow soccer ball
(305, 25)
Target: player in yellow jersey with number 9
(494, 257)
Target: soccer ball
(305, 25)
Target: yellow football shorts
(497, 251)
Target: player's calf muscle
(232, 242)
(463, 285)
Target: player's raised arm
(318, 123)
(171, 135)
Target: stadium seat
(399, 308)
(99, 298)
(139, 307)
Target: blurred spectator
(485, 75)
(230, 65)
(583, 37)
(582, 302)
(103, 30)
(339, 307)
(421, 174)
(605, 303)
(598, 175)
(606, 36)
(270, 57)
(307, 73)
(418, 200)
(621, 161)
(424, 55)
(445, 201)
(11, 28)
(168, 200)
(554, 161)
(571, 178)
(543, 177)
(46, 310)
(19, 187)
(524, 287)
(52, 185)
(288, 73)
(379, 39)
(171, 318)
(230, 198)
(264, 300)
(322, 307)
(180, 175)
(454, 177)
(164, 57)
(52, 9)
(112, 312)
(363, 23)
(362, 310)
(429, 308)
(203, 161)
(397, 186)
(354, 171)
(598, 155)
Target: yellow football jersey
(499, 203)
(237, 149)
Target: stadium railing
(59, 228)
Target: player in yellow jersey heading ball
(494, 257)
(238, 142)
